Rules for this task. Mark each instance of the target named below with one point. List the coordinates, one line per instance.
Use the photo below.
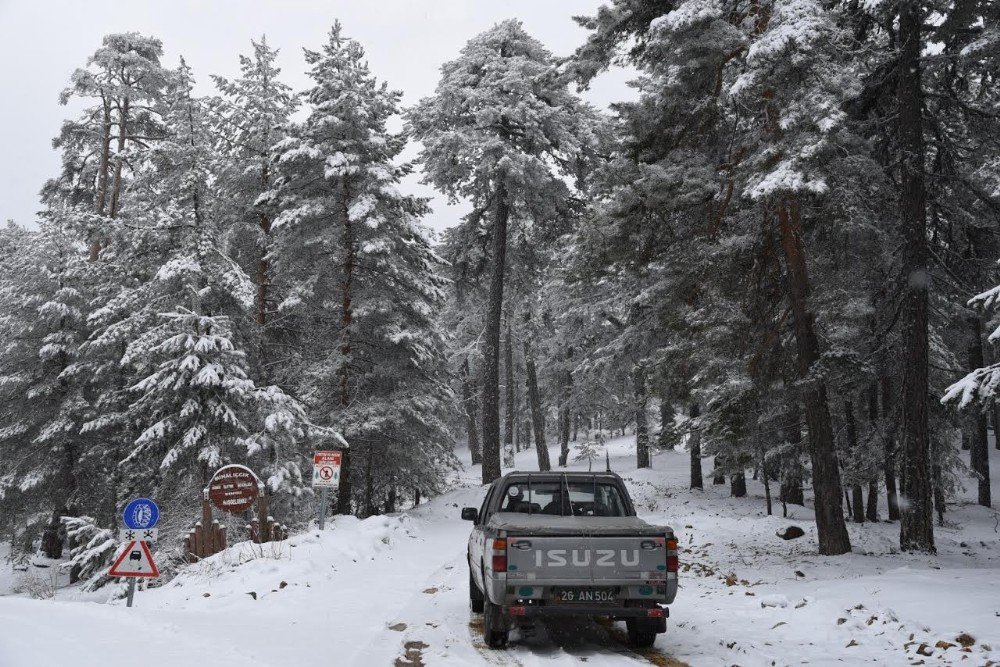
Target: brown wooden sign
(233, 489)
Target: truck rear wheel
(641, 632)
(475, 595)
(495, 630)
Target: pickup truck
(568, 544)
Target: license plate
(584, 595)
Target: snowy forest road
(382, 591)
(393, 590)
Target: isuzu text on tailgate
(568, 544)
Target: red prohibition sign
(326, 472)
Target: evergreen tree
(42, 324)
(125, 78)
(359, 273)
(503, 131)
(250, 120)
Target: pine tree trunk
(469, 404)
(641, 398)
(535, 401)
(890, 452)
(101, 198)
(995, 412)
(491, 371)
(346, 320)
(694, 443)
(263, 278)
(830, 526)
(871, 514)
(718, 477)
(666, 424)
(738, 484)
(52, 543)
(390, 499)
(939, 502)
(791, 473)
(369, 496)
(979, 439)
(916, 530)
(765, 471)
(851, 428)
(872, 511)
(508, 417)
(116, 188)
(564, 425)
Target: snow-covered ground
(393, 590)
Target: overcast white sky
(42, 42)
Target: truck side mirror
(470, 514)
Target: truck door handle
(523, 545)
(649, 544)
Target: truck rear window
(564, 498)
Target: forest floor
(392, 590)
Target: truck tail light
(500, 555)
(672, 560)
(655, 612)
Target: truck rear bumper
(534, 611)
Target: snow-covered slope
(393, 590)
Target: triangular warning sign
(135, 561)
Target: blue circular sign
(141, 513)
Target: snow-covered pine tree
(980, 388)
(122, 84)
(925, 120)
(92, 549)
(251, 119)
(42, 311)
(503, 131)
(797, 86)
(125, 79)
(189, 404)
(194, 404)
(358, 273)
(661, 199)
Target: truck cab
(568, 544)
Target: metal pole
(322, 507)
(131, 591)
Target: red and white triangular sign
(135, 561)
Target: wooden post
(207, 543)
(199, 541)
(264, 521)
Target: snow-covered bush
(92, 549)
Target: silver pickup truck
(568, 544)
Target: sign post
(135, 561)
(326, 476)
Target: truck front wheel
(495, 630)
(641, 632)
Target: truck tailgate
(595, 560)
